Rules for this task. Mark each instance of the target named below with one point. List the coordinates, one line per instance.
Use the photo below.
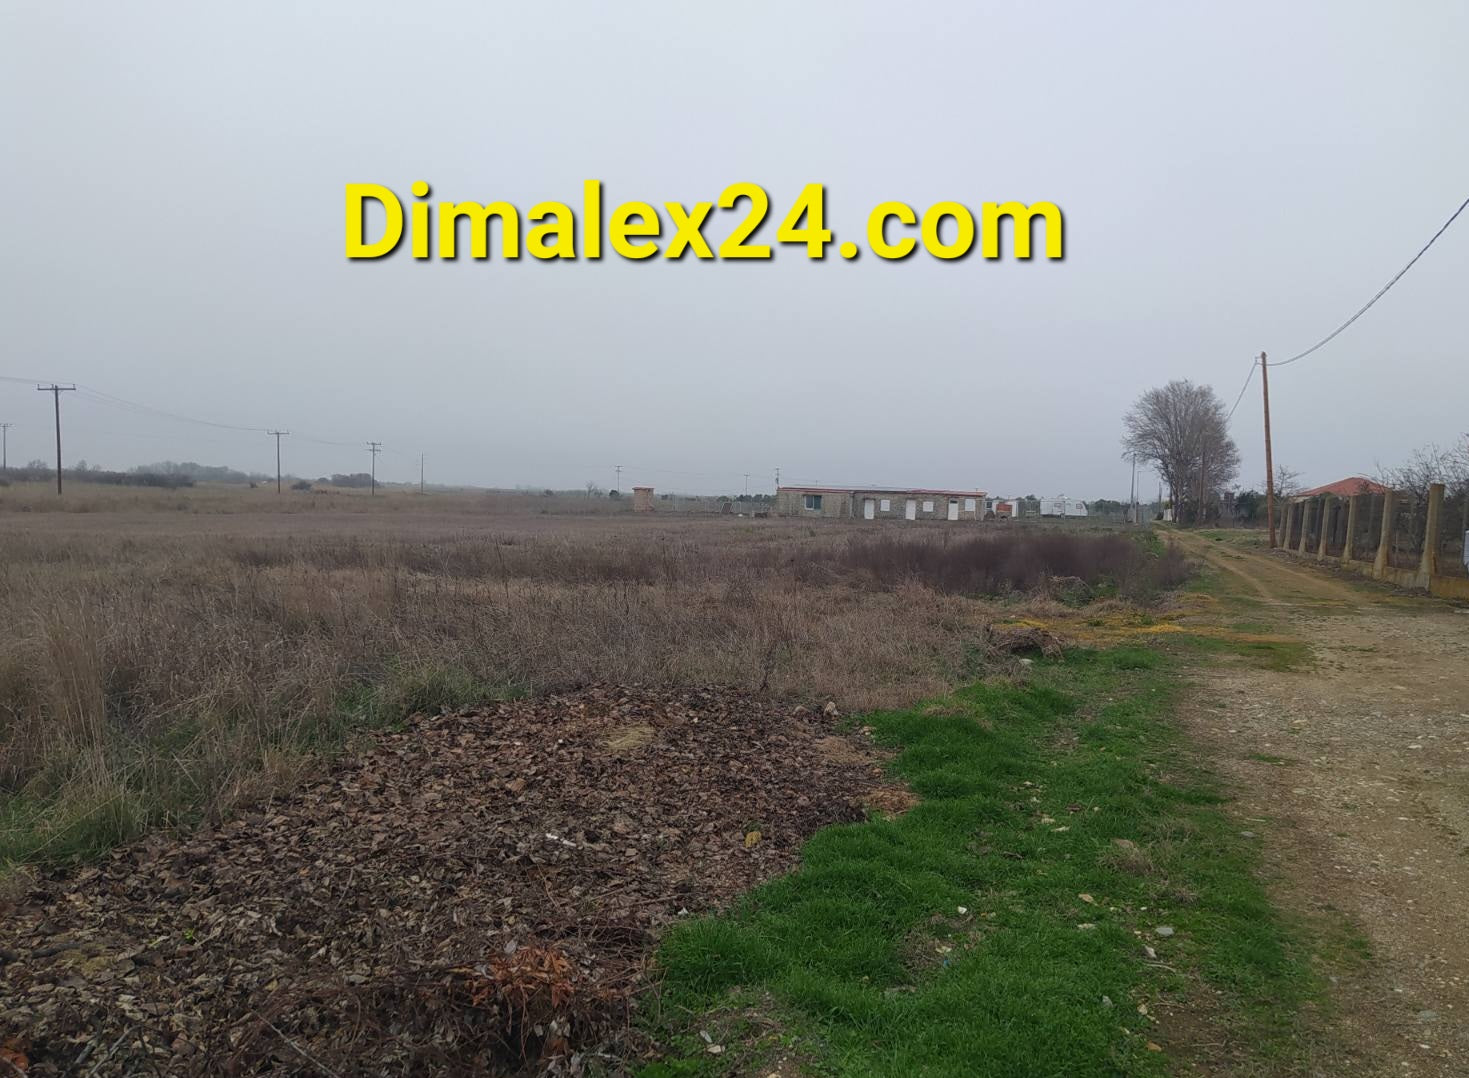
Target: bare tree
(1182, 430)
(1287, 481)
(1424, 467)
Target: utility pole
(56, 391)
(747, 486)
(1203, 471)
(5, 446)
(1269, 463)
(619, 477)
(374, 448)
(277, 434)
(1132, 503)
(420, 473)
(777, 477)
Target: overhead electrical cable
(1380, 292)
(1248, 379)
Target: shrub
(994, 565)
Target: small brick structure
(642, 499)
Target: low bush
(1000, 564)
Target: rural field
(336, 784)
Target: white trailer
(1062, 506)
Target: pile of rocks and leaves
(480, 892)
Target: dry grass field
(385, 864)
(170, 653)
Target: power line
(1248, 378)
(327, 441)
(1265, 365)
(96, 396)
(1380, 292)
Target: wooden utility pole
(1269, 463)
(277, 434)
(420, 473)
(4, 447)
(374, 448)
(1203, 472)
(1132, 497)
(56, 391)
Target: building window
(968, 505)
(813, 502)
(928, 506)
(887, 505)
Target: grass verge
(1067, 899)
(77, 811)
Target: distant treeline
(38, 471)
(167, 474)
(201, 473)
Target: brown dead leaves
(478, 894)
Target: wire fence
(1415, 538)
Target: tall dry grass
(152, 677)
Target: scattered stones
(1163, 931)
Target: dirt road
(1353, 769)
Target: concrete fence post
(1349, 550)
(1328, 503)
(1308, 508)
(1428, 564)
(1384, 544)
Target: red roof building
(1345, 488)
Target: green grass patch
(955, 940)
(1277, 655)
(1246, 537)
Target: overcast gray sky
(1234, 178)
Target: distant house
(1345, 488)
(880, 503)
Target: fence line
(1411, 541)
